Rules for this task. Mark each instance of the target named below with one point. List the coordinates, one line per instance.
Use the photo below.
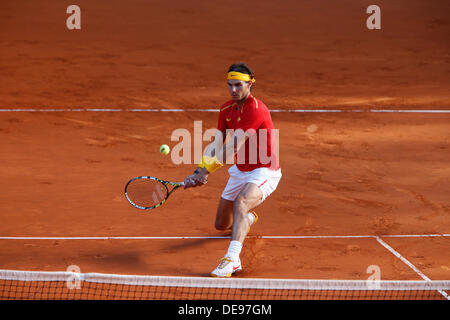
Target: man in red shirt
(246, 124)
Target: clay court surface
(344, 174)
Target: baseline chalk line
(217, 110)
(222, 237)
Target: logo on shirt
(228, 119)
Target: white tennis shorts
(265, 178)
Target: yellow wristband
(210, 163)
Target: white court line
(116, 238)
(217, 110)
(384, 244)
(415, 235)
(409, 264)
(222, 237)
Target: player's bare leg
(224, 216)
(225, 213)
(249, 198)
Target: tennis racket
(146, 192)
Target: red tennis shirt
(261, 149)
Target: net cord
(235, 283)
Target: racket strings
(146, 192)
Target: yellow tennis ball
(164, 149)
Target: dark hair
(241, 67)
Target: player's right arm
(200, 175)
(221, 150)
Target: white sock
(234, 250)
(251, 218)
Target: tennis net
(31, 285)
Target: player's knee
(241, 204)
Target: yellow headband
(233, 75)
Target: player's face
(239, 90)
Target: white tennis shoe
(226, 268)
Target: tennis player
(253, 177)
